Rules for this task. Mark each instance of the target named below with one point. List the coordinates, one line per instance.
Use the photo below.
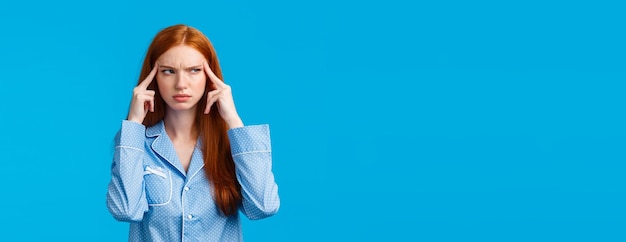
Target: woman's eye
(168, 71)
(196, 70)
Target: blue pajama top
(150, 189)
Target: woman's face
(181, 77)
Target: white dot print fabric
(150, 189)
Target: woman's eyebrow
(186, 68)
(194, 67)
(167, 67)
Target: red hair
(218, 161)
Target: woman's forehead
(181, 55)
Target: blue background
(391, 120)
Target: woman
(184, 163)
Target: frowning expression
(181, 78)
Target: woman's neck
(180, 125)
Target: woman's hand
(143, 99)
(223, 96)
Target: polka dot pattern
(149, 188)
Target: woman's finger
(149, 93)
(151, 101)
(210, 104)
(150, 98)
(212, 96)
(146, 82)
(147, 97)
(152, 105)
(212, 76)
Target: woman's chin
(182, 107)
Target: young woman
(184, 162)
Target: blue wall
(391, 120)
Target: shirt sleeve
(252, 153)
(126, 196)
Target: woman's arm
(126, 196)
(251, 150)
(252, 153)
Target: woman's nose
(181, 81)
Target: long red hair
(218, 161)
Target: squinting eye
(196, 70)
(168, 71)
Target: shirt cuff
(253, 138)
(132, 134)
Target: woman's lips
(181, 98)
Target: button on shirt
(150, 188)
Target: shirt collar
(155, 130)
